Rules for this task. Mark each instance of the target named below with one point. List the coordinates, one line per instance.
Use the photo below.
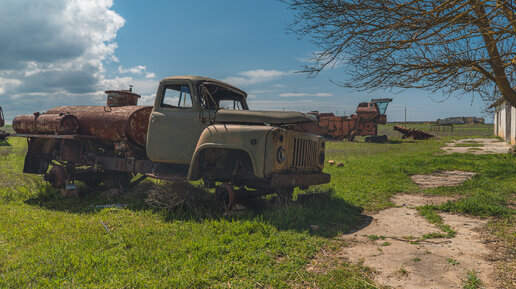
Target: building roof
(498, 102)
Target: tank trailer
(198, 129)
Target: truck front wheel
(284, 195)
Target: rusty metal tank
(110, 123)
(46, 124)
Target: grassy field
(47, 240)
(460, 130)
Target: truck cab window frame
(177, 96)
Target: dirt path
(477, 146)
(392, 244)
(403, 260)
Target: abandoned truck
(198, 128)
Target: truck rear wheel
(117, 180)
(92, 180)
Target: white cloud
(301, 94)
(293, 94)
(256, 76)
(302, 105)
(6, 83)
(134, 70)
(53, 52)
(312, 58)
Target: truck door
(175, 123)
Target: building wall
(513, 125)
(500, 123)
(500, 116)
(495, 121)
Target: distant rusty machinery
(363, 123)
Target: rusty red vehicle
(363, 123)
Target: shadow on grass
(319, 213)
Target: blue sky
(69, 51)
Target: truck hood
(261, 117)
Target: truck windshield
(220, 97)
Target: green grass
(472, 281)
(468, 144)
(430, 214)
(461, 130)
(47, 240)
(452, 261)
(375, 237)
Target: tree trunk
(501, 80)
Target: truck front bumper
(298, 180)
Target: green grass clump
(472, 281)
(385, 244)
(430, 214)
(479, 204)
(468, 144)
(375, 237)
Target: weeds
(430, 214)
(375, 237)
(402, 271)
(472, 281)
(385, 244)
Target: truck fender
(194, 169)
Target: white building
(505, 120)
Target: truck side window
(177, 95)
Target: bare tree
(465, 46)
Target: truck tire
(117, 180)
(284, 195)
(91, 180)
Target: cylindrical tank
(46, 124)
(110, 123)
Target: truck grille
(304, 154)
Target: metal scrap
(413, 133)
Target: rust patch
(46, 124)
(112, 124)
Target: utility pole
(405, 116)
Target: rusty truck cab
(183, 108)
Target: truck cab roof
(201, 79)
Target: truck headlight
(281, 155)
